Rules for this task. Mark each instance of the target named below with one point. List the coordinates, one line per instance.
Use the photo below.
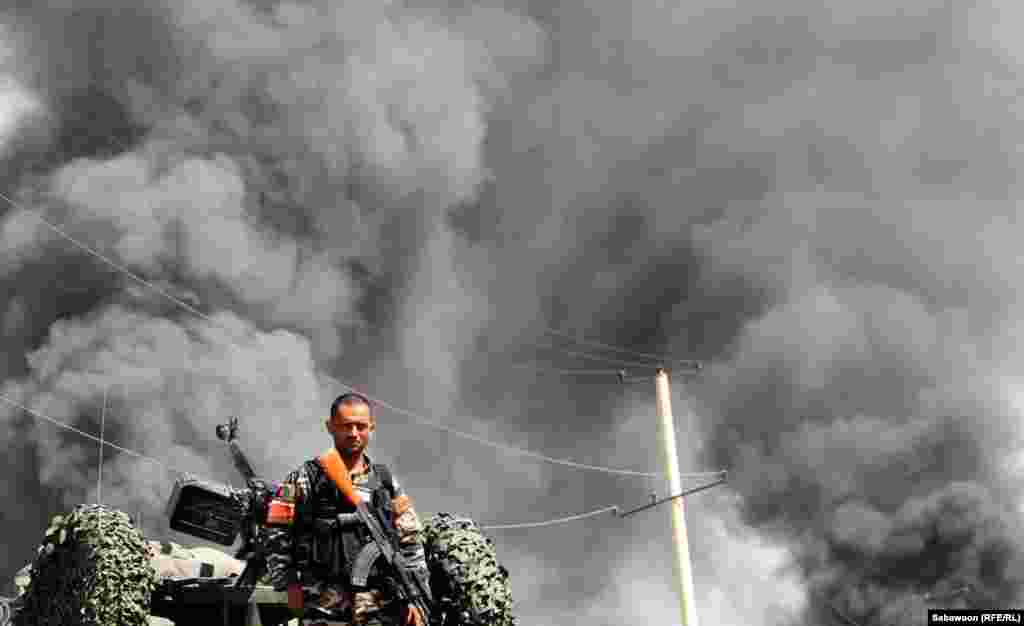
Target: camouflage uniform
(315, 498)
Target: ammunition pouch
(337, 543)
(363, 564)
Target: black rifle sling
(385, 477)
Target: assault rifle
(416, 591)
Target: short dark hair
(352, 397)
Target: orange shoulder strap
(336, 471)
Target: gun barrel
(241, 462)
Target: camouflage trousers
(367, 608)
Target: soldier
(313, 540)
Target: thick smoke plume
(818, 199)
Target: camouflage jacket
(303, 545)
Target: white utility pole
(99, 473)
(670, 456)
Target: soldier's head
(350, 423)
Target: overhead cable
(663, 358)
(551, 522)
(594, 357)
(414, 416)
(99, 440)
(139, 455)
(111, 263)
(566, 371)
(501, 446)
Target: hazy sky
(818, 199)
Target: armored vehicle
(94, 567)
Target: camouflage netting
(464, 567)
(92, 570)
(5, 611)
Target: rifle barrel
(241, 462)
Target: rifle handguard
(422, 576)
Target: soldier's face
(351, 427)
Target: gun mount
(222, 514)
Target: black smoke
(816, 199)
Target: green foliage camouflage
(92, 570)
(465, 569)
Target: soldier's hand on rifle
(413, 617)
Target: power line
(607, 346)
(614, 509)
(593, 357)
(423, 420)
(565, 372)
(200, 314)
(624, 376)
(383, 403)
(378, 401)
(494, 527)
(552, 522)
(99, 440)
(687, 492)
(108, 261)
(568, 463)
(507, 448)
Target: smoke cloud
(819, 200)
